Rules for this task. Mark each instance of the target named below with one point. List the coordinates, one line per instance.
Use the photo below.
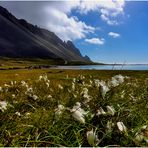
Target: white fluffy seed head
(110, 110)
(3, 106)
(78, 116)
(35, 97)
(121, 127)
(92, 138)
(100, 111)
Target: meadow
(68, 108)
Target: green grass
(40, 125)
(11, 63)
(22, 63)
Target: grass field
(47, 107)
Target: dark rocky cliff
(18, 38)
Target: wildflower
(27, 115)
(13, 95)
(23, 83)
(110, 110)
(78, 113)
(123, 94)
(100, 111)
(81, 77)
(75, 96)
(40, 78)
(73, 86)
(87, 98)
(104, 90)
(15, 102)
(49, 96)
(91, 82)
(138, 138)
(47, 84)
(103, 87)
(67, 76)
(83, 83)
(142, 135)
(3, 105)
(35, 97)
(30, 90)
(85, 95)
(11, 83)
(77, 106)
(59, 110)
(114, 82)
(120, 78)
(1, 89)
(121, 127)
(92, 138)
(84, 91)
(97, 83)
(60, 86)
(6, 85)
(18, 113)
(109, 126)
(74, 80)
(78, 116)
(51, 89)
(43, 77)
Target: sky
(108, 31)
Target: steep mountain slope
(18, 38)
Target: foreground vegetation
(73, 108)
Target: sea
(107, 67)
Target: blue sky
(108, 31)
(130, 47)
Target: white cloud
(86, 6)
(109, 10)
(52, 15)
(96, 41)
(108, 20)
(68, 28)
(114, 35)
(55, 15)
(65, 26)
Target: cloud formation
(53, 16)
(96, 41)
(114, 35)
(67, 28)
(56, 16)
(109, 10)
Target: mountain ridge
(18, 38)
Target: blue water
(106, 67)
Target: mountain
(18, 38)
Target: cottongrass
(92, 138)
(3, 105)
(100, 111)
(110, 110)
(59, 110)
(78, 113)
(64, 113)
(121, 127)
(141, 135)
(1, 89)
